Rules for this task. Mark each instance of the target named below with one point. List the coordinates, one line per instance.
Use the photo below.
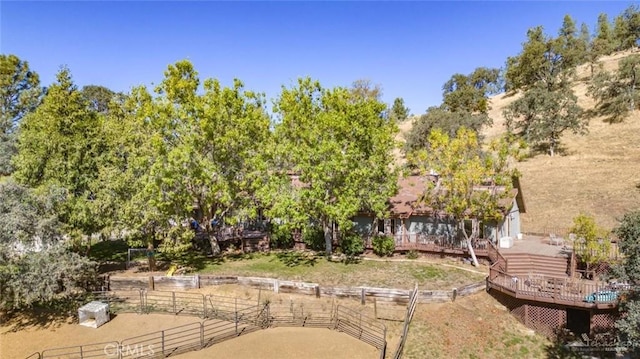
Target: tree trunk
(151, 257)
(469, 244)
(215, 247)
(328, 237)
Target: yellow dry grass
(598, 174)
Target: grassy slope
(389, 274)
(597, 174)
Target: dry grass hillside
(598, 174)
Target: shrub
(383, 246)
(594, 247)
(280, 237)
(313, 236)
(413, 254)
(352, 244)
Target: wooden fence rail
(364, 294)
(411, 308)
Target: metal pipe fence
(411, 308)
(225, 318)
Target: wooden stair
(524, 264)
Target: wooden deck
(554, 290)
(435, 245)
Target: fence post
(204, 306)
(455, 294)
(317, 291)
(276, 285)
(201, 335)
(236, 315)
(197, 278)
(362, 298)
(375, 307)
(173, 299)
(142, 304)
(151, 283)
(162, 343)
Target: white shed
(94, 314)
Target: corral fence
(364, 294)
(225, 318)
(411, 309)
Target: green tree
(626, 29)
(594, 247)
(470, 93)
(203, 159)
(543, 62)
(338, 144)
(569, 43)
(603, 42)
(446, 121)
(35, 268)
(20, 93)
(461, 166)
(541, 117)
(616, 94)
(628, 233)
(399, 112)
(59, 144)
(583, 44)
(98, 97)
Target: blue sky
(409, 48)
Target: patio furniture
(602, 296)
(555, 240)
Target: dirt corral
(20, 338)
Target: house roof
(411, 188)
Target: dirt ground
(270, 343)
(26, 341)
(20, 339)
(281, 343)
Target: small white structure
(506, 242)
(94, 314)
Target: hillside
(598, 174)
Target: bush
(313, 237)
(413, 254)
(280, 237)
(352, 244)
(383, 246)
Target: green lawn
(389, 274)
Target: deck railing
(565, 291)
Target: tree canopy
(629, 234)
(541, 117)
(60, 145)
(462, 166)
(469, 93)
(444, 120)
(399, 112)
(20, 93)
(339, 144)
(616, 93)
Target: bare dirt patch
(277, 343)
(22, 343)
